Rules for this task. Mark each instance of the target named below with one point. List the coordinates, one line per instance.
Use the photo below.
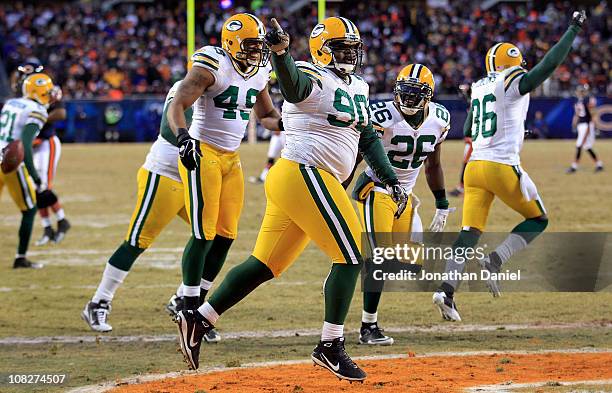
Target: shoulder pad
(512, 75)
(384, 114)
(442, 114)
(313, 72)
(208, 57)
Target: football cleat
(372, 334)
(192, 327)
(332, 356)
(456, 192)
(175, 304)
(22, 262)
(47, 236)
(492, 284)
(447, 306)
(570, 170)
(255, 180)
(212, 337)
(96, 316)
(63, 226)
(599, 168)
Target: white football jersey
(163, 155)
(406, 147)
(222, 113)
(16, 114)
(322, 130)
(498, 117)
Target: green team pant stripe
(345, 228)
(197, 202)
(368, 218)
(154, 185)
(139, 220)
(516, 171)
(207, 63)
(325, 210)
(540, 205)
(25, 190)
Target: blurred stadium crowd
(132, 49)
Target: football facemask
(347, 55)
(412, 96)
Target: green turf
(97, 185)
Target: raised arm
(295, 85)
(553, 58)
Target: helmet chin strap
(345, 68)
(409, 111)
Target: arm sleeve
(295, 85)
(467, 126)
(27, 137)
(549, 63)
(374, 154)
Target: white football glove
(439, 220)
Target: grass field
(97, 185)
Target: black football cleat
(63, 226)
(599, 168)
(372, 334)
(192, 327)
(175, 304)
(332, 356)
(47, 236)
(23, 263)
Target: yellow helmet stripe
(492, 56)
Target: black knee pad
(45, 199)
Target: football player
(497, 114)
(327, 121)
(160, 199)
(413, 129)
(582, 122)
(47, 151)
(224, 85)
(22, 119)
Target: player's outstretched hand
(276, 38)
(399, 196)
(578, 18)
(439, 220)
(189, 149)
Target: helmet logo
(514, 52)
(317, 31)
(40, 82)
(234, 25)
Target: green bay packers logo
(40, 82)
(514, 52)
(234, 25)
(318, 29)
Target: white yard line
(105, 386)
(441, 328)
(510, 387)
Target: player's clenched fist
(189, 149)
(578, 18)
(276, 39)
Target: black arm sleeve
(295, 86)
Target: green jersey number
(228, 100)
(413, 147)
(7, 122)
(441, 113)
(380, 112)
(345, 104)
(483, 122)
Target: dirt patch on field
(411, 374)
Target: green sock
(215, 258)
(239, 282)
(370, 301)
(124, 256)
(531, 228)
(339, 289)
(467, 238)
(193, 260)
(25, 230)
